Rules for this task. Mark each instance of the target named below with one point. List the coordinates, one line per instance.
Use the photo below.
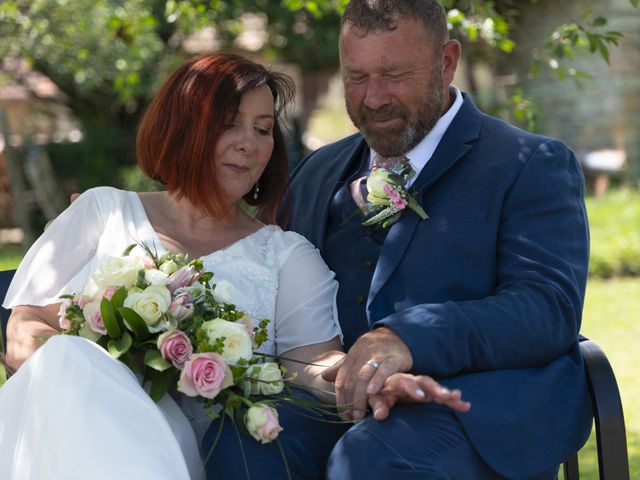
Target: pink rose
(175, 347)
(248, 324)
(63, 321)
(145, 259)
(82, 300)
(394, 197)
(93, 317)
(109, 292)
(262, 422)
(181, 307)
(205, 374)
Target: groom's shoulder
(324, 156)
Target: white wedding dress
(72, 412)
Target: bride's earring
(256, 190)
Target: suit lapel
(456, 141)
(329, 169)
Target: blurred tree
(108, 56)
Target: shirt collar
(420, 154)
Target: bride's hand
(408, 388)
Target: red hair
(179, 131)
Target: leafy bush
(614, 221)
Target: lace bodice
(276, 274)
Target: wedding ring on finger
(373, 363)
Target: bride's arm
(55, 264)
(307, 363)
(28, 326)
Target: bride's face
(245, 146)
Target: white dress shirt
(420, 154)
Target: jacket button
(367, 264)
(368, 231)
(359, 299)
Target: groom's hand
(373, 357)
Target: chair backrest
(5, 280)
(611, 440)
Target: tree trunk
(17, 184)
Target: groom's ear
(72, 198)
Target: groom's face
(394, 86)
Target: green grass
(611, 314)
(614, 221)
(10, 256)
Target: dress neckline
(151, 233)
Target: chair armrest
(611, 438)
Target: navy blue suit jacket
(487, 293)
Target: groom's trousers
(306, 444)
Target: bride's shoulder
(104, 193)
(287, 239)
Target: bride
(212, 136)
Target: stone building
(604, 115)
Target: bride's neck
(188, 217)
(183, 227)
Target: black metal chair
(5, 279)
(611, 441)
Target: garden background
(76, 75)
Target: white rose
(155, 277)
(237, 342)
(375, 185)
(224, 292)
(118, 271)
(151, 304)
(266, 379)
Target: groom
(485, 295)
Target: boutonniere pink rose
(388, 195)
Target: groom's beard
(395, 141)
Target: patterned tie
(359, 186)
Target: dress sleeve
(306, 311)
(59, 261)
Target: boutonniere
(388, 195)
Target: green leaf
(599, 22)
(117, 300)
(635, 3)
(153, 358)
(160, 384)
(109, 319)
(134, 323)
(130, 362)
(127, 250)
(415, 206)
(120, 346)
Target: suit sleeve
(533, 316)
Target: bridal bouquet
(165, 319)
